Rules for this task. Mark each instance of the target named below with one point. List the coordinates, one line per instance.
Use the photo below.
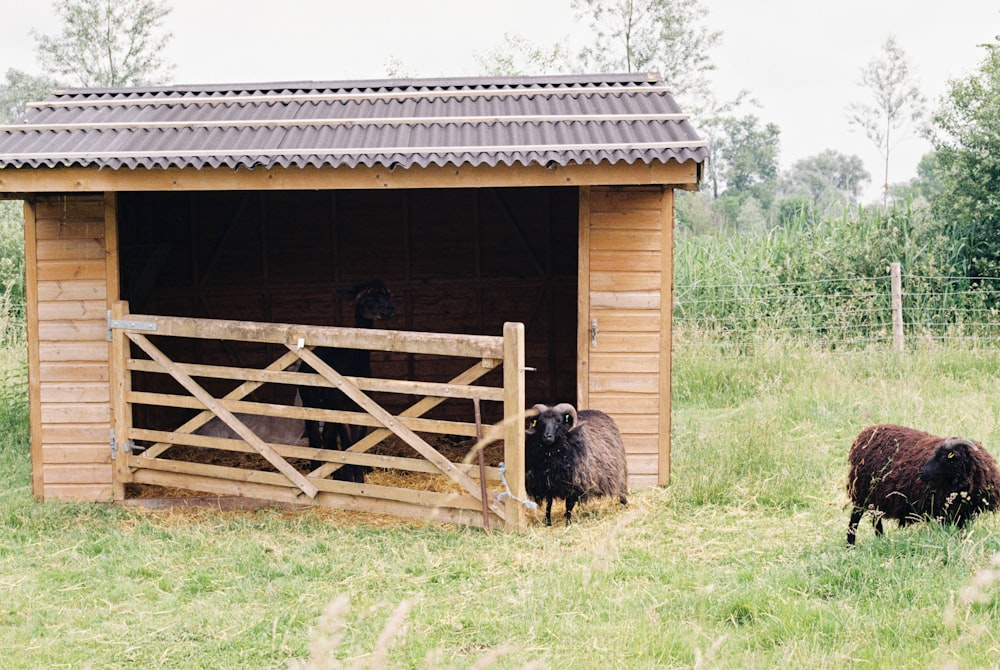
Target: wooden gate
(475, 494)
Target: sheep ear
(531, 421)
(568, 410)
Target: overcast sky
(801, 59)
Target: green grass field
(739, 563)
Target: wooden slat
(71, 249)
(666, 336)
(609, 260)
(303, 379)
(71, 269)
(70, 209)
(76, 453)
(624, 199)
(78, 473)
(616, 383)
(73, 351)
(625, 362)
(65, 330)
(361, 177)
(639, 424)
(622, 403)
(626, 240)
(442, 344)
(73, 289)
(622, 300)
(625, 281)
(35, 372)
(303, 452)
(629, 321)
(58, 371)
(74, 309)
(438, 426)
(373, 491)
(79, 229)
(55, 413)
(610, 341)
(513, 412)
(75, 433)
(96, 492)
(626, 220)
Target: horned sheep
(908, 475)
(573, 456)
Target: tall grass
(827, 283)
(739, 563)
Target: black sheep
(908, 475)
(372, 302)
(574, 456)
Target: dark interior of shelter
(456, 261)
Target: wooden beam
(20, 181)
(34, 359)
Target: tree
(20, 89)
(665, 36)
(518, 56)
(825, 179)
(966, 137)
(107, 43)
(746, 158)
(897, 102)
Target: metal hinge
(126, 447)
(149, 326)
(593, 332)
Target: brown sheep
(908, 475)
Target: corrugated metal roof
(559, 120)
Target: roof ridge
(391, 84)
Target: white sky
(801, 59)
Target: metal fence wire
(839, 313)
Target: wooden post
(121, 412)
(896, 280)
(514, 398)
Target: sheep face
(950, 465)
(373, 301)
(552, 422)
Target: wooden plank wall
(626, 287)
(67, 285)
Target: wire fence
(838, 314)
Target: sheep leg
(548, 511)
(570, 503)
(852, 525)
(877, 522)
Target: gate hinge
(149, 326)
(126, 447)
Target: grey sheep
(908, 475)
(574, 456)
(271, 429)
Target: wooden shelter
(184, 244)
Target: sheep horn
(567, 408)
(956, 441)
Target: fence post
(896, 281)
(513, 415)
